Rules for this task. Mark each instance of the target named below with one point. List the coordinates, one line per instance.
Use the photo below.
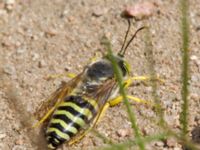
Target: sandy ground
(39, 38)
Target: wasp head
(103, 69)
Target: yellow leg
(44, 118)
(76, 139)
(50, 111)
(112, 102)
(96, 56)
(70, 75)
(119, 99)
(130, 80)
(102, 113)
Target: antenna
(126, 35)
(123, 50)
(134, 35)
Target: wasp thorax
(103, 69)
(100, 70)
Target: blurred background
(40, 38)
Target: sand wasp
(76, 106)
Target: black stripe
(57, 126)
(67, 120)
(53, 142)
(69, 133)
(73, 112)
(52, 136)
(78, 100)
(61, 128)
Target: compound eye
(124, 68)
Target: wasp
(76, 106)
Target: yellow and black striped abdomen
(69, 118)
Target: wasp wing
(104, 92)
(101, 94)
(57, 96)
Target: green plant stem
(130, 143)
(152, 71)
(125, 100)
(185, 66)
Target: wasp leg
(80, 136)
(53, 76)
(119, 99)
(112, 102)
(130, 80)
(44, 118)
(76, 139)
(96, 56)
(102, 112)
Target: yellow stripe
(91, 101)
(75, 119)
(56, 140)
(84, 111)
(64, 125)
(59, 133)
(50, 146)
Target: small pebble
(198, 28)
(193, 57)
(145, 131)
(177, 148)
(19, 142)
(148, 89)
(35, 37)
(65, 13)
(19, 147)
(195, 78)
(140, 10)
(2, 5)
(196, 135)
(2, 135)
(3, 146)
(86, 142)
(41, 64)
(123, 132)
(21, 50)
(71, 19)
(51, 32)
(99, 12)
(171, 142)
(9, 69)
(195, 96)
(159, 143)
(4, 17)
(7, 43)
(35, 56)
(9, 4)
(198, 62)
